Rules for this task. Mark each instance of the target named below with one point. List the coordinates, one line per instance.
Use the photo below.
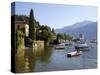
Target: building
(22, 25)
(81, 36)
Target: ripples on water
(50, 59)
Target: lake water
(50, 59)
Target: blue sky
(57, 15)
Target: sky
(57, 15)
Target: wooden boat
(75, 53)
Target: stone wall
(38, 44)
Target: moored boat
(60, 46)
(75, 53)
(93, 41)
(68, 44)
(82, 46)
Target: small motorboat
(75, 53)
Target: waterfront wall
(38, 44)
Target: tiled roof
(20, 22)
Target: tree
(59, 36)
(53, 31)
(22, 18)
(32, 30)
(19, 39)
(45, 34)
(67, 37)
(64, 36)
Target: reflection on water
(20, 61)
(50, 59)
(26, 59)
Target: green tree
(67, 37)
(53, 31)
(19, 39)
(21, 18)
(32, 31)
(45, 34)
(59, 36)
(64, 36)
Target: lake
(51, 59)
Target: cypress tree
(32, 32)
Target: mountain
(88, 28)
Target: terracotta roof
(20, 22)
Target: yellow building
(22, 25)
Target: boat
(68, 44)
(75, 53)
(60, 46)
(93, 41)
(81, 46)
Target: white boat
(81, 46)
(75, 53)
(93, 41)
(60, 46)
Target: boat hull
(59, 48)
(75, 53)
(81, 48)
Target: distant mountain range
(88, 28)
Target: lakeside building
(22, 25)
